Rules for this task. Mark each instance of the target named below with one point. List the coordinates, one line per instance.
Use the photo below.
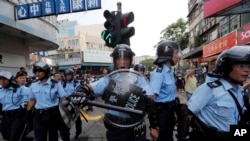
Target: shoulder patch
(214, 84)
(159, 69)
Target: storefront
(213, 49)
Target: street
(93, 130)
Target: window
(77, 42)
(69, 43)
(234, 23)
(73, 43)
(197, 11)
(224, 29)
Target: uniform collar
(166, 68)
(228, 86)
(47, 82)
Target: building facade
(81, 48)
(19, 38)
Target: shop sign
(219, 45)
(243, 35)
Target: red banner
(243, 35)
(220, 44)
(212, 7)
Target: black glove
(78, 99)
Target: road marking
(88, 117)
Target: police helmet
(165, 51)
(69, 72)
(121, 51)
(6, 74)
(41, 66)
(139, 67)
(236, 54)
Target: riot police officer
(44, 98)
(69, 85)
(13, 98)
(140, 68)
(122, 126)
(218, 104)
(162, 81)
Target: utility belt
(167, 105)
(47, 111)
(207, 132)
(11, 113)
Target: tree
(148, 63)
(176, 32)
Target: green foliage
(198, 41)
(176, 32)
(148, 63)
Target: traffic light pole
(119, 7)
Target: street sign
(48, 7)
(93, 4)
(62, 6)
(35, 10)
(22, 11)
(54, 7)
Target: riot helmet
(165, 51)
(69, 74)
(42, 67)
(236, 54)
(139, 68)
(8, 76)
(122, 51)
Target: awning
(210, 58)
(97, 64)
(197, 52)
(68, 67)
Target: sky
(150, 18)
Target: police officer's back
(214, 104)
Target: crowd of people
(213, 103)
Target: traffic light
(125, 31)
(111, 35)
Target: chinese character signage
(219, 45)
(54, 7)
(48, 7)
(93, 4)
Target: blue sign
(62, 6)
(35, 9)
(93, 4)
(48, 7)
(22, 11)
(42, 53)
(53, 7)
(77, 5)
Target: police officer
(218, 104)
(44, 98)
(162, 81)
(140, 68)
(122, 58)
(13, 98)
(69, 85)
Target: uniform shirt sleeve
(200, 98)
(156, 79)
(100, 85)
(142, 82)
(61, 91)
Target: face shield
(122, 59)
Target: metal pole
(119, 7)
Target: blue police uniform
(13, 100)
(215, 107)
(123, 134)
(162, 82)
(46, 112)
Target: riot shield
(126, 89)
(124, 95)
